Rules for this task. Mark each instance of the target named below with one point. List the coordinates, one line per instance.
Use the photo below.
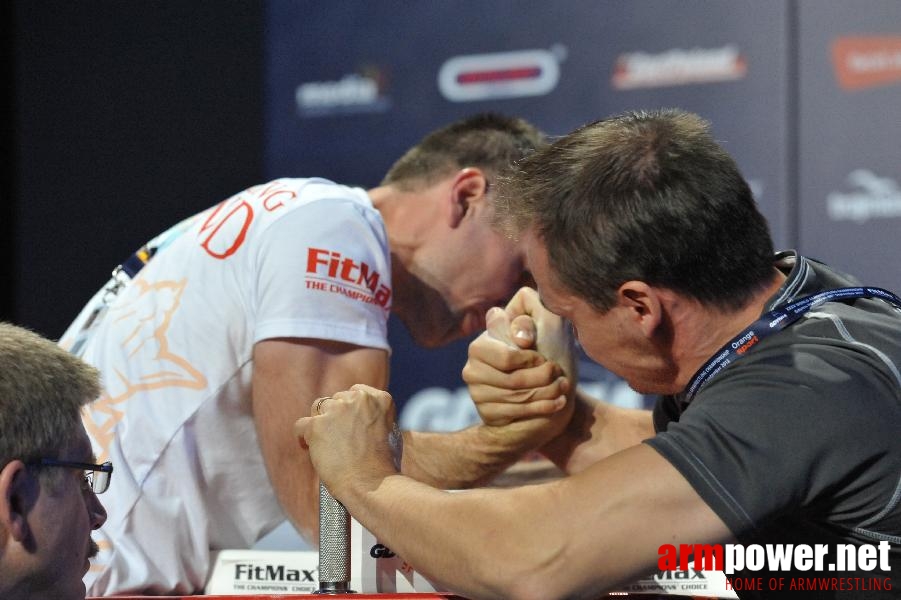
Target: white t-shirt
(291, 258)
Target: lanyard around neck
(773, 322)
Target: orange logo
(144, 325)
(865, 62)
(226, 226)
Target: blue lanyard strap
(773, 322)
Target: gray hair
(42, 391)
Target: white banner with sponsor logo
(376, 569)
(250, 572)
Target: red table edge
(388, 596)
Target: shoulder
(316, 209)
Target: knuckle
(467, 372)
(384, 399)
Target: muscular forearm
(597, 430)
(435, 531)
(599, 528)
(458, 460)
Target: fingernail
(522, 334)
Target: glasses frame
(98, 485)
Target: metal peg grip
(334, 545)
(334, 531)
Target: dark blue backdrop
(349, 86)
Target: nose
(96, 510)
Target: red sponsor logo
(866, 61)
(330, 271)
(747, 345)
(499, 75)
(515, 74)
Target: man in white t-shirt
(218, 334)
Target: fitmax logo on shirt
(330, 271)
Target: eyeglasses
(96, 477)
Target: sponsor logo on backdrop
(678, 67)
(866, 61)
(871, 197)
(501, 74)
(362, 92)
(438, 409)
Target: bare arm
(460, 459)
(288, 375)
(597, 430)
(575, 537)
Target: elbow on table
(535, 588)
(535, 583)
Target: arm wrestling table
(343, 540)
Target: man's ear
(469, 186)
(644, 305)
(17, 496)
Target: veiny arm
(575, 537)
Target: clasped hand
(522, 371)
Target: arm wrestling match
(641, 233)
(634, 239)
(451, 300)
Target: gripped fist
(348, 437)
(552, 334)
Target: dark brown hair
(488, 141)
(646, 196)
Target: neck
(409, 217)
(396, 208)
(701, 333)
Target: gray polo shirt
(799, 440)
